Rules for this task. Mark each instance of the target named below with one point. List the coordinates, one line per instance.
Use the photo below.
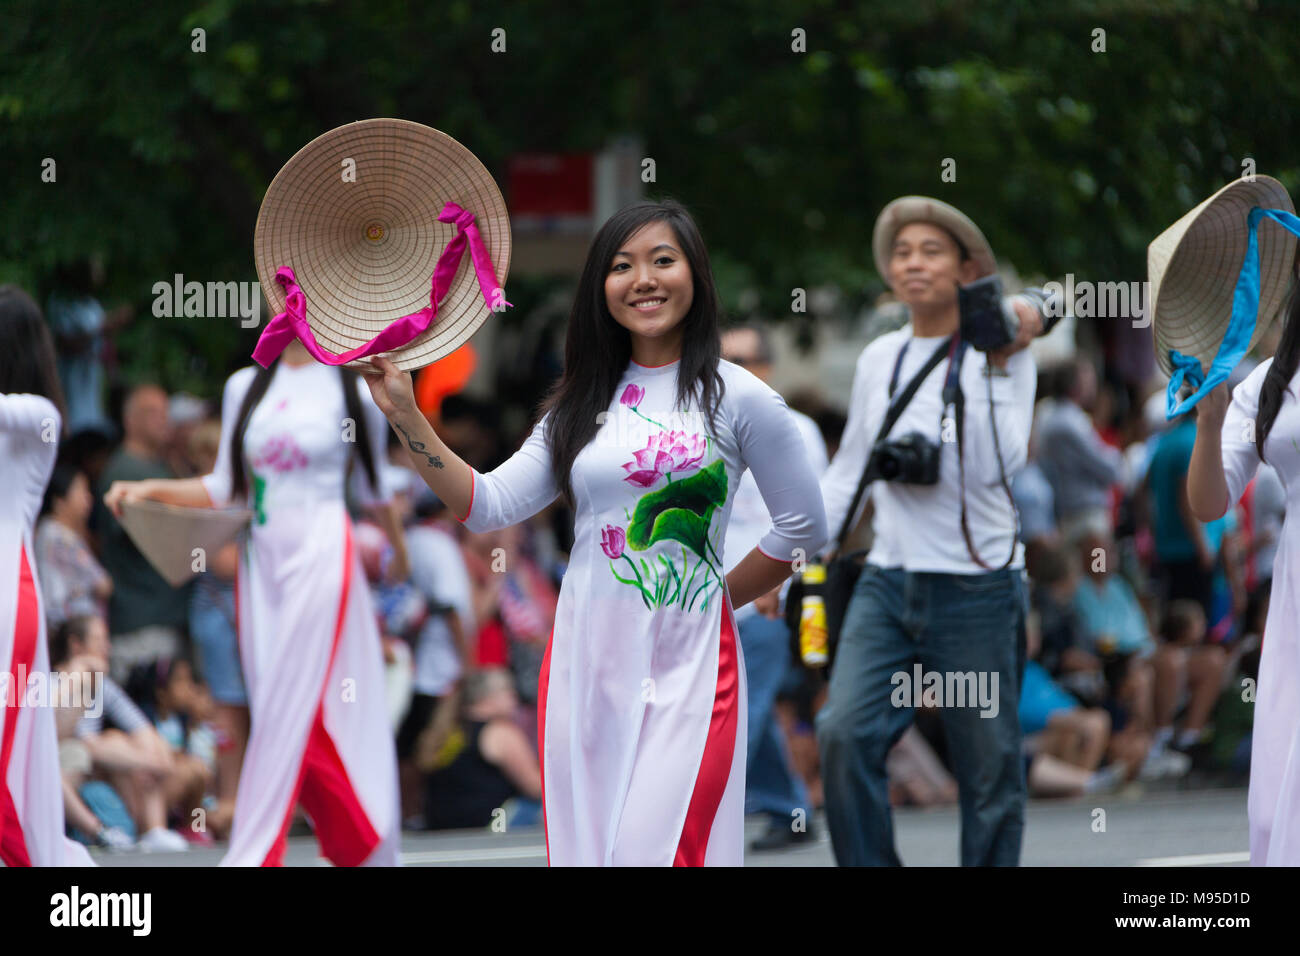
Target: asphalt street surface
(1141, 828)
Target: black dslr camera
(910, 460)
(988, 321)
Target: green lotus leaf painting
(678, 516)
(681, 511)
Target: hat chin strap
(292, 322)
(1245, 313)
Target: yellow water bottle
(813, 639)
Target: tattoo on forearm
(419, 448)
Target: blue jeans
(217, 645)
(949, 624)
(771, 786)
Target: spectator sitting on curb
(1064, 742)
(492, 763)
(917, 777)
(1134, 666)
(79, 673)
(123, 746)
(1202, 665)
(182, 711)
(1067, 654)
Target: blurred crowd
(1144, 633)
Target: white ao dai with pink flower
(642, 703)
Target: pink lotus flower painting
(280, 454)
(665, 453)
(612, 539)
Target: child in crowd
(182, 711)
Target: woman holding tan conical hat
(344, 256)
(309, 642)
(31, 789)
(1218, 276)
(642, 700)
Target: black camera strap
(896, 408)
(953, 396)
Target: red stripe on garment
(543, 686)
(470, 509)
(719, 748)
(344, 831)
(245, 659)
(27, 622)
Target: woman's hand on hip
(769, 604)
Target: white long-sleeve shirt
(918, 527)
(749, 517)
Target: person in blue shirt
(1186, 549)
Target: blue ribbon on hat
(1245, 313)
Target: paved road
(1163, 828)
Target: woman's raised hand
(121, 492)
(1213, 408)
(389, 386)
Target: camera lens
(888, 467)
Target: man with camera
(938, 425)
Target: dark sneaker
(781, 835)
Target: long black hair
(1280, 373)
(257, 390)
(597, 349)
(27, 363)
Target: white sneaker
(1162, 764)
(116, 839)
(161, 840)
(1108, 779)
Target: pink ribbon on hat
(292, 322)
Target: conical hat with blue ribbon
(350, 243)
(1193, 267)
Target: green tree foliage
(1070, 159)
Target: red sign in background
(543, 185)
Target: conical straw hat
(167, 535)
(1193, 267)
(363, 252)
